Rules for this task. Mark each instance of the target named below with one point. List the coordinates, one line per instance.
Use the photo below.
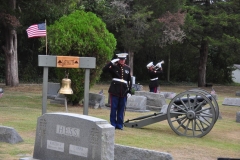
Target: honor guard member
(120, 86)
(153, 72)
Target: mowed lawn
(21, 106)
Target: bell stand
(47, 61)
(65, 103)
(65, 99)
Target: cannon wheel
(215, 104)
(192, 118)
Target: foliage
(129, 20)
(8, 16)
(217, 25)
(135, 24)
(81, 34)
(172, 31)
(33, 12)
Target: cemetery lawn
(21, 106)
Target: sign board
(67, 62)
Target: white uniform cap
(150, 65)
(122, 55)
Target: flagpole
(46, 34)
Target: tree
(212, 24)
(15, 17)
(172, 31)
(10, 24)
(130, 21)
(81, 34)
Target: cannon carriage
(192, 113)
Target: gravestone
(9, 135)
(238, 117)
(237, 93)
(231, 102)
(96, 99)
(53, 95)
(133, 153)
(154, 100)
(59, 99)
(137, 87)
(64, 136)
(136, 103)
(53, 89)
(168, 95)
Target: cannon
(192, 113)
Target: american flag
(213, 92)
(37, 30)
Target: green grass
(21, 106)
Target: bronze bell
(66, 87)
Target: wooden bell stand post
(47, 61)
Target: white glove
(114, 60)
(159, 65)
(129, 95)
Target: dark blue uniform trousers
(153, 89)
(117, 111)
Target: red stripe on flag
(36, 31)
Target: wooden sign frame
(47, 61)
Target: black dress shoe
(119, 128)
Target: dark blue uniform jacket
(154, 74)
(118, 88)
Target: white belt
(119, 80)
(154, 79)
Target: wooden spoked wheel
(192, 113)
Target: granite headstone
(53, 89)
(9, 135)
(137, 87)
(168, 95)
(136, 103)
(153, 99)
(237, 93)
(238, 117)
(134, 153)
(65, 136)
(231, 102)
(95, 99)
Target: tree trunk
(131, 56)
(202, 64)
(10, 50)
(168, 69)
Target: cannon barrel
(179, 101)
